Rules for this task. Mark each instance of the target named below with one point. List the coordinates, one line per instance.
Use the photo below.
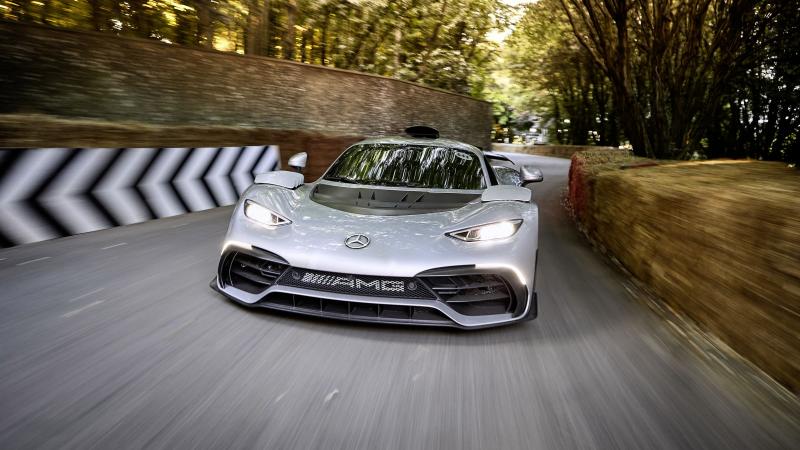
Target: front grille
(353, 310)
(473, 294)
(370, 286)
(463, 289)
(250, 273)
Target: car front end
(388, 253)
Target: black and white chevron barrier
(53, 192)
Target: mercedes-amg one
(413, 229)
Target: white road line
(115, 245)
(179, 225)
(3, 259)
(330, 396)
(33, 260)
(76, 311)
(279, 398)
(85, 295)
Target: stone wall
(71, 74)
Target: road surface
(113, 339)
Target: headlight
(263, 215)
(496, 230)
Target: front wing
(463, 296)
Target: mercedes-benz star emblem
(356, 241)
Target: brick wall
(70, 74)
(43, 131)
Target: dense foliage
(556, 77)
(440, 43)
(714, 78)
(674, 78)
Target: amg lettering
(394, 286)
(356, 283)
(342, 281)
(373, 284)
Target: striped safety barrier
(47, 193)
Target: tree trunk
(633, 121)
(266, 31)
(289, 35)
(205, 28)
(98, 15)
(22, 10)
(323, 44)
(613, 123)
(117, 14)
(140, 19)
(252, 43)
(311, 44)
(398, 42)
(46, 7)
(303, 39)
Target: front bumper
(461, 297)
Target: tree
(257, 28)
(760, 112)
(667, 60)
(441, 43)
(558, 78)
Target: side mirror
(298, 161)
(531, 175)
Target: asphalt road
(114, 340)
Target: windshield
(419, 166)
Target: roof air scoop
(421, 131)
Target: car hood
(402, 245)
(384, 201)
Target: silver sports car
(412, 230)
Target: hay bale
(718, 241)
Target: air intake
(252, 273)
(422, 132)
(473, 294)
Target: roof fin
(421, 131)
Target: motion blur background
(686, 78)
(667, 131)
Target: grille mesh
(250, 273)
(473, 294)
(354, 310)
(365, 285)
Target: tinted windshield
(419, 166)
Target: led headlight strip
(263, 215)
(489, 231)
